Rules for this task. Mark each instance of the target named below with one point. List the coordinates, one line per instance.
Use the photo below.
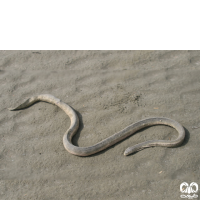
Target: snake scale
(129, 130)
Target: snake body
(129, 130)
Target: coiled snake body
(129, 130)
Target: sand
(109, 90)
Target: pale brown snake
(129, 130)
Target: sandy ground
(109, 90)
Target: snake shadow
(187, 137)
(81, 126)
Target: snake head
(127, 151)
(135, 148)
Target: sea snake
(129, 130)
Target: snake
(115, 138)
